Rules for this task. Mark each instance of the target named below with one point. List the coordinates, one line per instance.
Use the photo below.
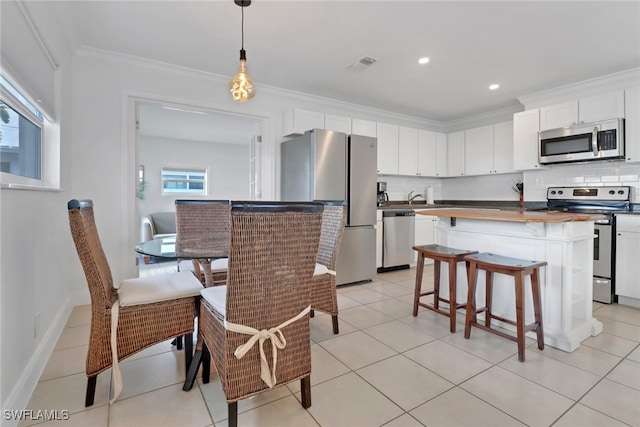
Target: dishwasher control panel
(397, 212)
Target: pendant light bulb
(241, 86)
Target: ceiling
(307, 46)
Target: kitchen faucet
(411, 198)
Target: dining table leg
(197, 359)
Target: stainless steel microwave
(584, 142)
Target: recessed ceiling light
(494, 86)
(423, 60)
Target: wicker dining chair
(199, 224)
(323, 291)
(271, 263)
(150, 310)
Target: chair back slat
(92, 257)
(272, 257)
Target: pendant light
(241, 86)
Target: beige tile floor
(385, 368)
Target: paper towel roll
(430, 195)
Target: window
(180, 180)
(21, 126)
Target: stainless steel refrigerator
(328, 165)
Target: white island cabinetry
(566, 282)
(424, 232)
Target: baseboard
(19, 396)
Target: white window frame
(49, 148)
(185, 171)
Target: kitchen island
(563, 240)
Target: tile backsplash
(500, 187)
(586, 174)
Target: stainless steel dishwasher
(398, 237)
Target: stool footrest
(437, 310)
(528, 328)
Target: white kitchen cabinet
(455, 153)
(526, 125)
(337, 123)
(297, 121)
(387, 148)
(590, 109)
(503, 147)
(627, 265)
(442, 154)
(632, 124)
(363, 127)
(379, 238)
(407, 151)
(478, 151)
(424, 232)
(427, 150)
(559, 115)
(601, 107)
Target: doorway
(189, 153)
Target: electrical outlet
(36, 325)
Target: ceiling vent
(362, 63)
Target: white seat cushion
(320, 270)
(186, 265)
(216, 296)
(219, 265)
(162, 287)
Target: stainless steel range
(602, 200)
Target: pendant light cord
(242, 26)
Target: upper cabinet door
(297, 121)
(455, 155)
(526, 125)
(387, 149)
(601, 107)
(441, 154)
(363, 127)
(337, 123)
(478, 151)
(407, 151)
(632, 124)
(503, 147)
(559, 115)
(427, 153)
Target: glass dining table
(165, 247)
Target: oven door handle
(596, 245)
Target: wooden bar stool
(517, 268)
(439, 254)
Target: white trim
(573, 91)
(193, 73)
(36, 33)
(19, 396)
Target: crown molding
(359, 110)
(609, 82)
(486, 118)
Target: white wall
(36, 247)
(227, 168)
